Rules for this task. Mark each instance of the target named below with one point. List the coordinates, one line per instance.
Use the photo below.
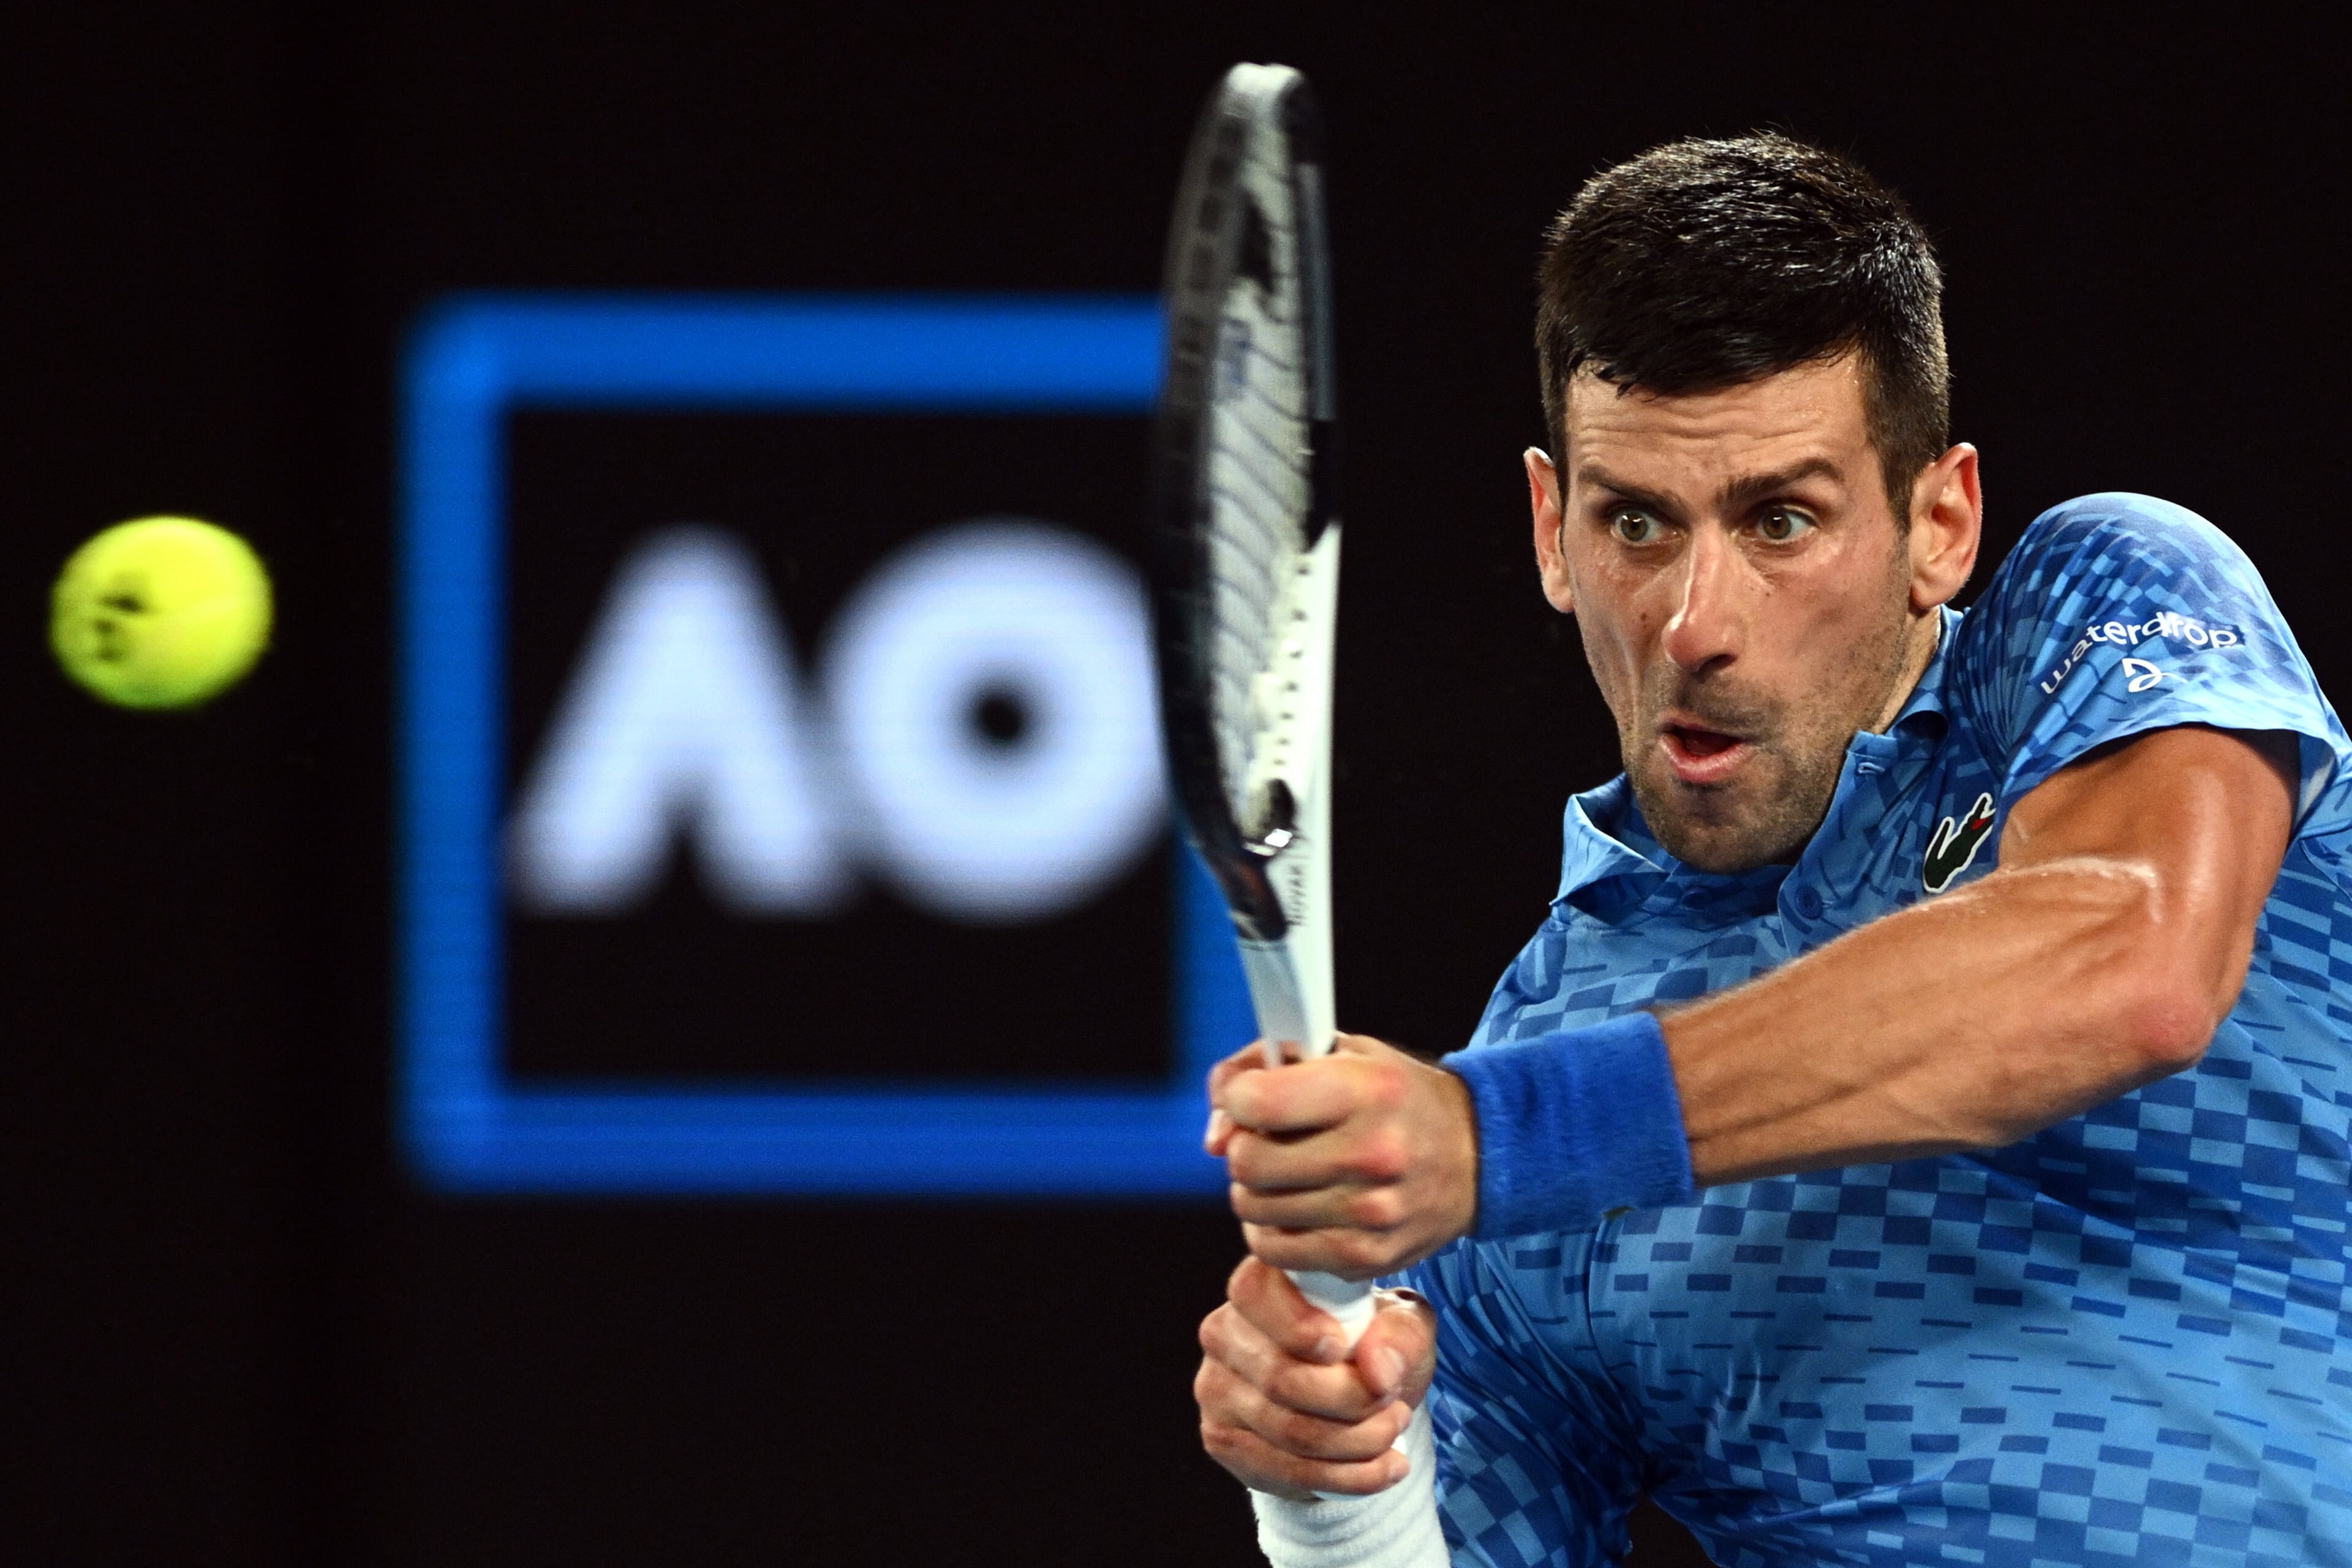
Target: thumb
(1398, 1354)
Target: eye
(1782, 524)
(1631, 525)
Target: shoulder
(2115, 566)
(2119, 541)
(2119, 614)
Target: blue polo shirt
(2128, 1339)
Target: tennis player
(1919, 1132)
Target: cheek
(1847, 627)
(1612, 651)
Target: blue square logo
(948, 830)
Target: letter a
(685, 713)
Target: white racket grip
(1350, 1301)
(1289, 1012)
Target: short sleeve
(2118, 615)
(1532, 1469)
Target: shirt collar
(1598, 823)
(1928, 698)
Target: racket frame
(1275, 873)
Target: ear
(1947, 526)
(1543, 502)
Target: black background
(680, 986)
(244, 1337)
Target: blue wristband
(1575, 1125)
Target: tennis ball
(162, 612)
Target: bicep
(2203, 814)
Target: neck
(1920, 647)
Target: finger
(1260, 1465)
(1271, 1162)
(1303, 1096)
(1217, 1139)
(1332, 1209)
(1335, 1392)
(1398, 1354)
(1272, 1304)
(1349, 1253)
(1334, 1157)
(1249, 1058)
(1228, 1398)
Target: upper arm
(2196, 819)
(2153, 723)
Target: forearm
(1967, 1022)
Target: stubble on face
(1768, 813)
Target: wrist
(1575, 1125)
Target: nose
(1708, 626)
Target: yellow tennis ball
(162, 612)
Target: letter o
(992, 690)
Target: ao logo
(983, 735)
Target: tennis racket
(1246, 586)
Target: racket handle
(1349, 1300)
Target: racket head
(1244, 479)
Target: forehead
(1792, 417)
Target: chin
(1724, 856)
(1717, 831)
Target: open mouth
(1699, 755)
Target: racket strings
(1259, 488)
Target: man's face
(1746, 597)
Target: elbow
(2167, 1023)
(2168, 972)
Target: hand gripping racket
(1246, 587)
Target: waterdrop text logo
(961, 730)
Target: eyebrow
(1736, 496)
(1745, 491)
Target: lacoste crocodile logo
(1954, 844)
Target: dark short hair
(1702, 265)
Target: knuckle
(1318, 1397)
(1282, 1388)
(1275, 1248)
(1293, 1433)
(1384, 1156)
(1222, 1441)
(1361, 1252)
(1244, 1155)
(1380, 1209)
(1291, 1387)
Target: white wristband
(1394, 1529)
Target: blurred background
(279, 1298)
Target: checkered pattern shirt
(2128, 1339)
